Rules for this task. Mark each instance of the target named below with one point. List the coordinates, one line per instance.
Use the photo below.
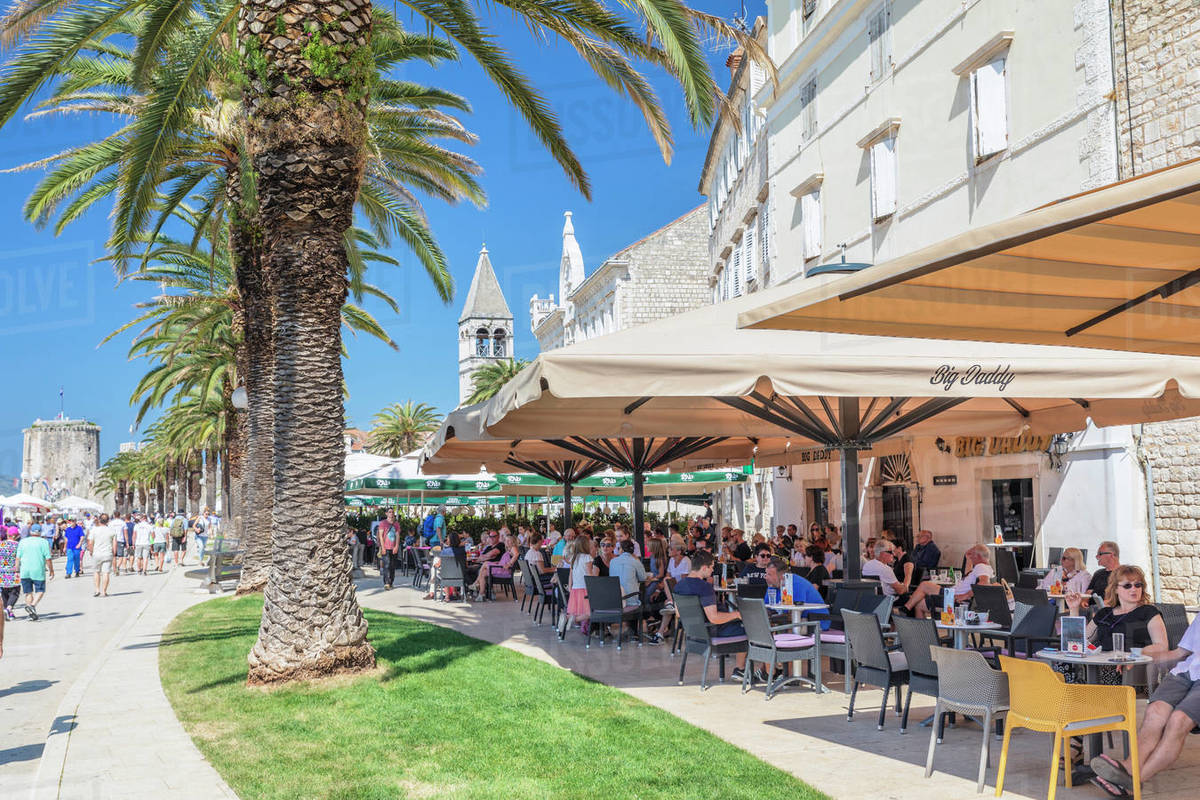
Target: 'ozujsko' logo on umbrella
(947, 376)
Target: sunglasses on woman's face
(1131, 585)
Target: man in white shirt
(1173, 712)
(980, 571)
(143, 537)
(102, 545)
(880, 567)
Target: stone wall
(65, 453)
(1156, 53)
(668, 271)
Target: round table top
(1009, 544)
(978, 626)
(1094, 657)
(800, 607)
(726, 589)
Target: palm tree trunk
(306, 134)
(119, 500)
(171, 505)
(256, 363)
(210, 478)
(195, 488)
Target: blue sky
(56, 306)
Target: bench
(224, 563)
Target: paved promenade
(85, 713)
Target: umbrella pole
(851, 550)
(568, 522)
(638, 499)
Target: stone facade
(1156, 52)
(661, 274)
(485, 326)
(60, 457)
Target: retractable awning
(1116, 268)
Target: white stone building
(898, 123)
(60, 457)
(485, 326)
(661, 274)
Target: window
(810, 217)
(810, 8)
(808, 110)
(735, 272)
(483, 347)
(880, 36)
(989, 108)
(883, 178)
(499, 343)
(748, 255)
(763, 258)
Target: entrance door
(818, 506)
(897, 513)
(1012, 511)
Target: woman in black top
(1127, 610)
(814, 566)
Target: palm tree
(402, 428)
(488, 379)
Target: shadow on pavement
(64, 724)
(25, 687)
(26, 752)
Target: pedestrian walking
(199, 527)
(76, 540)
(388, 535)
(102, 545)
(143, 541)
(10, 581)
(178, 539)
(162, 533)
(33, 564)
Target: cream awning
(1116, 268)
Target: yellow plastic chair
(1040, 700)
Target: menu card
(1073, 636)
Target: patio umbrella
(73, 503)
(1117, 268)
(698, 374)
(27, 501)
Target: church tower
(485, 326)
(570, 268)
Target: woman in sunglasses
(1127, 609)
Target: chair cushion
(833, 636)
(727, 639)
(1094, 723)
(793, 640)
(897, 659)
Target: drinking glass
(1118, 642)
(960, 613)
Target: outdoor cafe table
(962, 629)
(1092, 662)
(798, 610)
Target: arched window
(499, 343)
(482, 347)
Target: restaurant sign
(945, 480)
(969, 446)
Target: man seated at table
(926, 554)
(979, 571)
(756, 571)
(880, 567)
(1173, 712)
(697, 583)
(1108, 556)
(628, 567)
(561, 544)
(736, 545)
(804, 592)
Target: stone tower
(570, 268)
(485, 326)
(61, 457)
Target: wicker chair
(698, 638)
(767, 645)
(967, 685)
(873, 663)
(916, 637)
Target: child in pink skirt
(578, 608)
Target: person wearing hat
(76, 541)
(33, 562)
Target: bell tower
(485, 326)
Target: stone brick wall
(1156, 55)
(62, 451)
(668, 271)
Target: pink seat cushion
(727, 639)
(833, 636)
(793, 640)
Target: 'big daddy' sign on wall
(968, 446)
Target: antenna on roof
(739, 19)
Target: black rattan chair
(768, 645)
(917, 636)
(608, 607)
(698, 638)
(873, 663)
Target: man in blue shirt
(439, 527)
(926, 554)
(75, 543)
(427, 527)
(803, 591)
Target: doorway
(818, 507)
(1012, 513)
(897, 514)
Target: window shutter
(810, 6)
(990, 106)
(764, 259)
(883, 178)
(810, 215)
(749, 254)
(880, 43)
(808, 109)
(736, 271)
(757, 78)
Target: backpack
(177, 527)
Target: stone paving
(797, 731)
(87, 717)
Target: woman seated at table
(678, 565)
(537, 559)
(605, 554)
(1127, 610)
(813, 569)
(500, 568)
(1069, 572)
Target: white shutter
(810, 215)
(808, 109)
(764, 259)
(735, 275)
(990, 106)
(883, 178)
(748, 255)
(880, 43)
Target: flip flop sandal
(1111, 789)
(1110, 769)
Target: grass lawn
(445, 716)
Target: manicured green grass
(445, 716)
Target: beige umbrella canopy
(1116, 268)
(698, 374)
